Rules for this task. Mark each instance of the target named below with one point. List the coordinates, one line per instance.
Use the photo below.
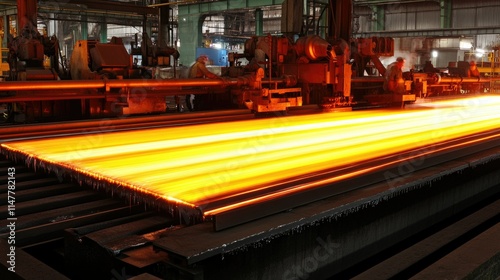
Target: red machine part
(27, 14)
(314, 48)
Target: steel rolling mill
(358, 189)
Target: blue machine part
(217, 57)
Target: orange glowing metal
(198, 164)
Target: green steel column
(191, 16)
(259, 19)
(379, 18)
(104, 31)
(445, 6)
(190, 33)
(84, 27)
(322, 24)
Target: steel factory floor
(213, 168)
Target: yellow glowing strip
(198, 164)
(313, 184)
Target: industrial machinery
(282, 72)
(104, 80)
(289, 73)
(32, 56)
(311, 61)
(328, 70)
(309, 198)
(152, 55)
(320, 66)
(92, 60)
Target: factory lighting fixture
(465, 45)
(480, 53)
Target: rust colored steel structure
(26, 14)
(107, 84)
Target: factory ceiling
(122, 12)
(132, 7)
(125, 6)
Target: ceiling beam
(116, 7)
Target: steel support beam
(116, 6)
(191, 18)
(445, 12)
(84, 27)
(104, 30)
(259, 18)
(379, 13)
(26, 14)
(444, 32)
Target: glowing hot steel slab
(202, 164)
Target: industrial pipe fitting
(314, 48)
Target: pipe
(223, 82)
(48, 97)
(468, 79)
(168, 83)
(435, 79)
(388, 2)
(174, 3)
(95, 84)
(107, 84)
(314, 48)
(378, 65)
(367, 79)
(48, 85)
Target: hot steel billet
(131, 83)
(97, 84)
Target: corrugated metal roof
(467, 17)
